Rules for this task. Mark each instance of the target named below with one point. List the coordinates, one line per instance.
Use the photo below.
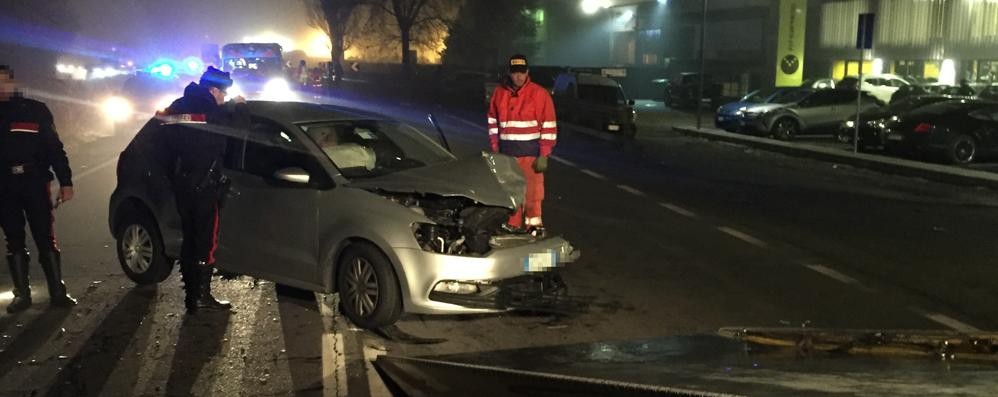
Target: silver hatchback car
(333, 200)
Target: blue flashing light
(163, 70)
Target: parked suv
(333, 200)
(808, 112)
(594, 101)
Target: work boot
(19, 273)
(51, 262)
(205, 299)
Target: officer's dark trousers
(27, 201)
(199, 220)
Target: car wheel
(785, 129)
(961, 150)
(140, 250)
(368, 288)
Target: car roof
(301, 112)
(595, 79)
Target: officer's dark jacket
(193, 135)
(29, 144)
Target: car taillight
(923, 128)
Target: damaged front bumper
(514, 277)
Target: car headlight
(233, 91)
(117, 109)
(849, 124)
(277, 90)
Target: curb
(934, 172)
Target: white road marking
(99, 167)
(593, 174)
(743, 236)
(947, 321)
(563, 161)
(679, 210)
(334, 369)
(832, 273)
(631, 190)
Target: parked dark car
(873, 121)
(683, 91)
(989, 93)
(730, 116)
(957, 132)
(596, 102)
(807, 112)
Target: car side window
(270, 148)
(819, 98)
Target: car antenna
(433, 121)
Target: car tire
(140, 249)
(962, 149)
(785, 129)
(368, 287)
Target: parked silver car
(807, 112)
(328, 199)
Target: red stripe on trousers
(214, 239)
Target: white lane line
(99, 167)
(334, 369)
(679, 210)
(947, 321)
(834, 274)
(593, 174)
(563, 161)
(631, 190)
(743, 236)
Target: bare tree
(333, 18)
(426, 16)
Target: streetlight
(590, 7)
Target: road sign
(864, 33)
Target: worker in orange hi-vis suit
(522, 124)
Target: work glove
(541, 164)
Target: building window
(974, 22)
(839, 21)
(908, 23)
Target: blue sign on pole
(864, 35)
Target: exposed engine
(462, 227)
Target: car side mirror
(294, 175)
(630, 102)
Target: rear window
(942, 108)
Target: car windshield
(370, 148)
(602, 94)
(790, 96)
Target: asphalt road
(679, 236)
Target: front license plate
(895, 137)
(541, 261)
(613, 127)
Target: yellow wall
(842, 69)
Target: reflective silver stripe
(549, 137)
(492, 120)
(23, 130)
(550, 124)
(185, 122)
(520, 137)
(493, 131)
(518, 124)
(534, 221)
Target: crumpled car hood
(489, 179)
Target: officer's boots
(197, 286)
(205, 298)
(18, 263)
(51, 262)
(192, 286)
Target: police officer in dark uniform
(30, 150)
(193, 159)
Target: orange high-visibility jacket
(522, 122)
